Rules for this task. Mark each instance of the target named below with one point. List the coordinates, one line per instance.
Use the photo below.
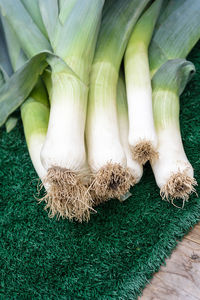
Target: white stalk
(106, 156)
(64, 146)
(139, 96)
(36, 142)
(134, 167)
(173, 172)
(103, 143)
(103, 140)
(172, 158)
(63, 153)
(122, 109)
(142, 135)
(35, 116)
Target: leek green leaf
(30, 37)
(49, 12)
(5, 66)
(173, 75)
(19, 85)
(32, 6)
(76, 39)
(16, 54)
(177, 35)
(65, 9)
(119, 17)
(170, 80)
(168, 7)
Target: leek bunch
(69, 36)
(106, 156)
(89, 128)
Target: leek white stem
(122, 111)
(142, 135)
(36, 142)
(35, 117)
(172, 170)
(108, 135)
(64, 146)
(63, 153)
(106, 156)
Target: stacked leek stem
(89, 126)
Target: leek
(63, 153)
(106, 156)
(35, 110)
(172, 170)
(11, 123)
(19, 85)
(133, 166)
(142, 135)
(177, 34)
(35, 117)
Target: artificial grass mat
(111, 257)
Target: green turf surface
(111, 257)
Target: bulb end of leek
(179, 185)
(144, 151)
(112, 181)
(67, 197)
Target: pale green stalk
(11, 123)
(122, 112)
(35, 110)
(142, 135)
(65, 9)
(172, 170)
(35, 117)
(54, 15)
(106, 156)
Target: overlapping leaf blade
(178, 33)
(49, 11)
(32, 6)
(5, 66)
(30, 37)
(19, 85)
